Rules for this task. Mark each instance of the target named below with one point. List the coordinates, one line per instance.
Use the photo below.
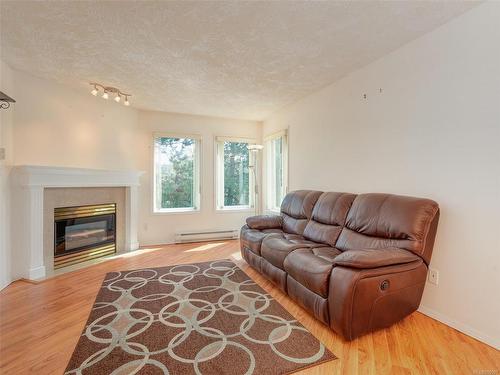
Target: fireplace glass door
(82, 233)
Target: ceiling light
(107, 90)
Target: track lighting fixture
(5, 100)
(107, 90)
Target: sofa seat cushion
(312, 267)
(252, 238)
(327, 253)
(276, 247)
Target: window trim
(198, 167)
(219, 177)
(269, 171)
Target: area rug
(203, 318)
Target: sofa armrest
(364, 300)
(374, 258)
(265, 222)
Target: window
(176, 173)
(235, 174)
(277, 169)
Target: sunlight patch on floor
(205, 247)
(139, 252)
(236, 256)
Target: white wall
(58, 126)
(434, 132)
(6, 120)
(161, 228)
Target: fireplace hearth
(84, 232)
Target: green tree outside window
(236, 174)
(175, 180)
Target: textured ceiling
(231, 59)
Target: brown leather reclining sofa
(358, 263)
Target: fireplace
(84, 232)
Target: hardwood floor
(40, 324)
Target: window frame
(270, 169)
(197, 177)
(219, 175)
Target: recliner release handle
(384, 285)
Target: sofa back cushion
(328, 217)
(296, 210)
(378, 221)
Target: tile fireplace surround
(27, 207)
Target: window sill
(177, 211)
(235, 210)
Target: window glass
(278, 171)
(235, 174)
(276, 167)
(176, 173)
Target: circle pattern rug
(203, 318)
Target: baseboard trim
(29, 281)
(131, 247)
(464, 328)
(36, 273)
(5, 284)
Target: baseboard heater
(200, 236)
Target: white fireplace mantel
(28, 184)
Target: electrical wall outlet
(433, 276)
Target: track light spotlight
(107, 90)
